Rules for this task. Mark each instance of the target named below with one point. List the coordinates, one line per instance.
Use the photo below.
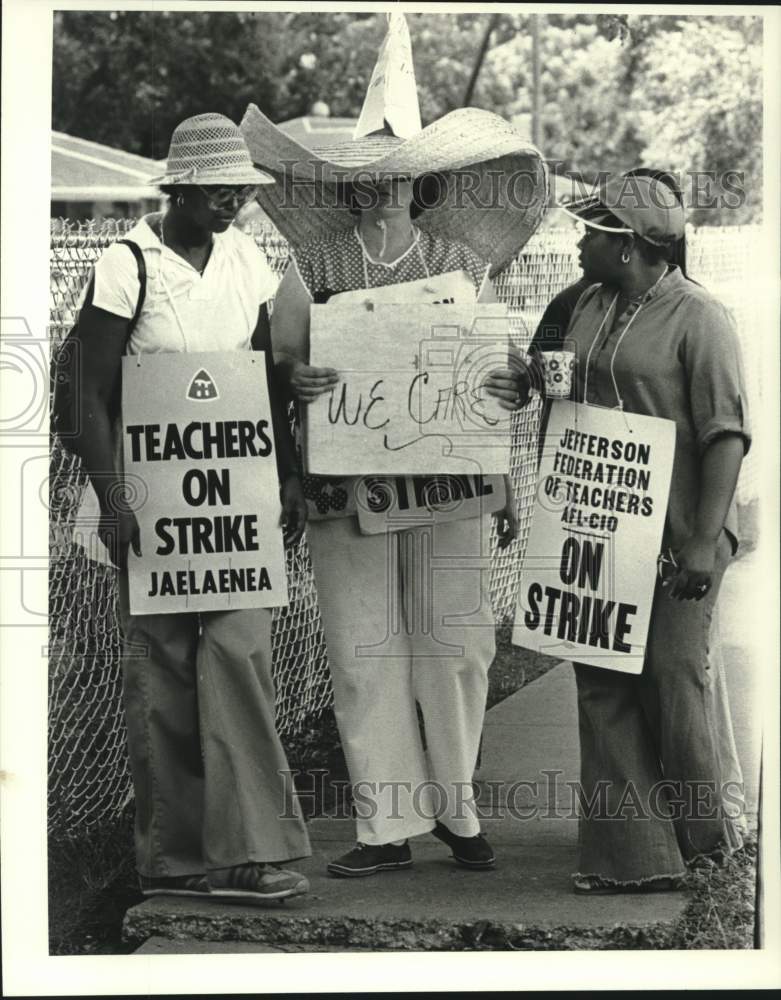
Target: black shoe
(174, 885)
(471, 852)
(367, 859)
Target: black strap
(64, 370)
(136, 251)
(90, 290)
(141, 264)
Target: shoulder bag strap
(136, 251)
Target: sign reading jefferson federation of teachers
(198, 433)
(589, 573)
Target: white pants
(407, 618)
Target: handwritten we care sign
(410, 399)
(589, 573)
(197, 436)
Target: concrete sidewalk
(530, 760)
(525, 903)
(530, 744)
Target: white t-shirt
(214, 312)
(183, 310)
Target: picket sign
(199, 455)
(589, 573)
(410, 399)
(393, 503)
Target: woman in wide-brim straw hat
(358, 216)
(649, 341)
(208, 767)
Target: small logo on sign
(202, 387)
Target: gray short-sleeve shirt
(679, 359)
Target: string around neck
(367, 259)
(619, 398)
(386, 263)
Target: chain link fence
(89, 778)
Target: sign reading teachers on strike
(197, 431)
(589, 572)
(410, 397)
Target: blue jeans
(652, 769)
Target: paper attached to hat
(495, 180)
(392, 96)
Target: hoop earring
(180, 201)
(625, 258)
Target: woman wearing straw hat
(649, 341)
(402, 789)
(199, 699)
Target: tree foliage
(678, 93)
(681, 93)
(716, 128)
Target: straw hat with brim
(497, 182)
(210, 149)
(640, 205)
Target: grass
(513, 667)
(721, 912)
(91, 884)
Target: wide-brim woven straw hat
(494, 188)
(210, 149)
(497, 182)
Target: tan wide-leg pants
(407, 619)
(212, 783)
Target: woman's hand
(294, 513)
(307, 382)
(118, 530)
(510, 386)
(506, 523)
(696, 560)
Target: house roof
(89, 171)
(83, 170)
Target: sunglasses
(223, 197)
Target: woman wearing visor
(551, 329)
(206, 759)
(649, 341)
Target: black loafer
(368, 859)
(471, 852)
